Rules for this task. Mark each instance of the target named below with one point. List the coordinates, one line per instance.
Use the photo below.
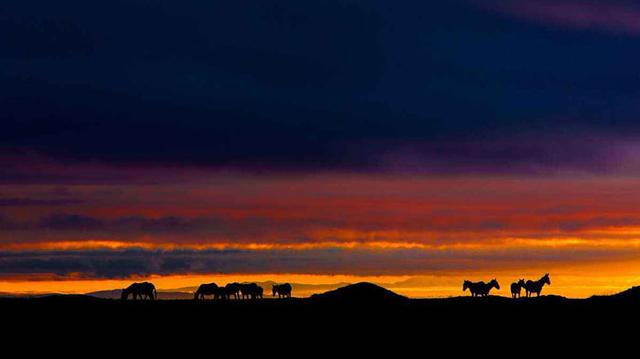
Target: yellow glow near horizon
(501, 243)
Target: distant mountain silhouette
(360, 292)
(115, 294)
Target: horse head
(494, 283)
(465, 285)
(124, 295)
(274, 290)
(521, 282)
(546, 279)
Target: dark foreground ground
(363, 318)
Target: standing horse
(480, 289)
(140, 291)
(282, 290)
(516, 288)
(206, 289)
(531, 287)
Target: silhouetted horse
(282, 290)
(206, 289)
(481, 289)
(140, 291)
(531, 287)
(232, 290)
(221, 293)
(250, 291)
(516, 288)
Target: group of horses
(482, 289)
(146, 290)
(231, 290)
(240, 291)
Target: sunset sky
(414, 143)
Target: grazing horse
(250, 291)
(232, 290)
(282, 290)
(531, 287)
(206, 289)
(480, 289)
(140, 291)
(221, 293)
(516, 288)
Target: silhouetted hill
(359, 292)
(632, 294)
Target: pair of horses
(482, 289)
(529, 286)
(231, 290)
(211, 289)
(144, 290)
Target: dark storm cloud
(331, 85)
(139, 262)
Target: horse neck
(541, 282)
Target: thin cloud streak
(612, 16)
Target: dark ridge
(632, 293)
(360, 292)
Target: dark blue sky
(319, 85)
